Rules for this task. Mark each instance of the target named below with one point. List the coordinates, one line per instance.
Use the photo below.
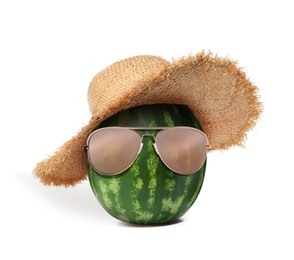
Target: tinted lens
(182, 149)
(112, 150)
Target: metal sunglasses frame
(142, 135)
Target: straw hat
(216, 90)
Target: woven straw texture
(217, 91)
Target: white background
(50, 51)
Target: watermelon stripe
(174, 206)
(152, 164)
(104, 191)
(137, 185)
(168, 121)
(199, 186)
(177, 112)
(114, 187)
(170, 184)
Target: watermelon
(148, 192)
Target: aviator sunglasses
(112, 150)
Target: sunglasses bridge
(142, 135)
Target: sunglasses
(112, 150)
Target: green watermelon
(148, 192)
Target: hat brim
(217, 91)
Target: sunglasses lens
(182, 149)
(113, 150)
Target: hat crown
(120, 79)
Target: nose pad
(155, 147)
(141, 146)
